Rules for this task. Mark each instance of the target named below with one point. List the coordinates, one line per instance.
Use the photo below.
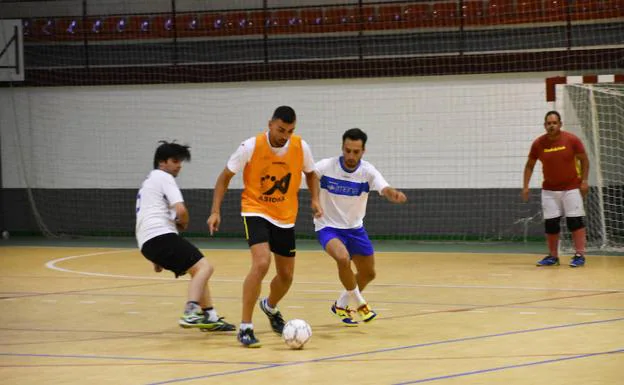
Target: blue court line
(464, 339)
(463, 374)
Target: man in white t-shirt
(345, 184)
(160, 214)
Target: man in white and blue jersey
(345, 184)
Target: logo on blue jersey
(344, 187)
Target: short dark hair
(168, 150)
(355, 134)
(553, 112)
(285, 113)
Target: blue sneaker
(548, 260)
(344, 314)
(277, 322)
(577, 260)
(247, 338)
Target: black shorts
(281, 241)
(171, 252)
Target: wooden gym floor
(99, 315)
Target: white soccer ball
(296, 333)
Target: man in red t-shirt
(564, 186)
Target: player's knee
(552, 225)
(261, 267)
(202, 268)
(285, 276)
(343, 262)
(367, 275)
(575, 223)
(209, 269)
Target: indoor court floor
(94, 312)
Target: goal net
(451, 94)
(596, 113)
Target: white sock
(357, 296)
(244, 326)
(212, 315)
(271, 310)
(343, 300)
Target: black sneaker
(577, 260)
(247, 338)
(217, 326)
(277, 322)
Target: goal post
(595, 112)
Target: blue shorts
(356, 240)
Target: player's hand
(393, 195)
(317, 210)
(525, 194)
(584, 189)
(398, 197)
(214, 220)
(157, 268)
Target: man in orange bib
(272, 164)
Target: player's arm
(312, 177)
(528, 172)
(312, 180)
(182, 216)
(172, 193)
(393, 195)
(584, 160)
(379, 183)
(223, 181)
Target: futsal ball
(296, 333)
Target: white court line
(318, 291)
(319, 251)
(527, 312)
(53, 266)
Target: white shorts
(567, 203)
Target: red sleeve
(577, 145)
(534, 153)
